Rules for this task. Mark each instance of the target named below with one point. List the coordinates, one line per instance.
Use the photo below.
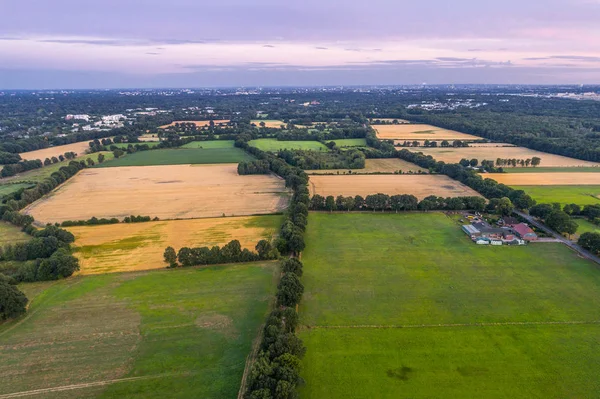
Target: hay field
(546, 179)
(454, 155)
(79, 148)
(420, 132)
(268, 123)
(210, 144)
(10, 234)
(384, 165)
(167, 192)
(180, 156)
(163, 334)
(149, 137)
(140, 246)
(198, 123)
(420, 186)
(274, 145)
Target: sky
(75, 44)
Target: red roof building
(525, 232)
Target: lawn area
(586, 226)
(276, 145)
(10, 234)
(573, 169)
(178, 334)
(416, 272)
(180, 156)
(7, 189)
(350, 142)
(38, 175)
(580, 195)
(210, 144)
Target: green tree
(170, 257)
(535, 161)
(13, 302)
(101, 158)
(330, 203)
(289, 290)
(473, 162)
(560, 222)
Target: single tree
(170, 257)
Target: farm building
(524, 232)
(483, 234)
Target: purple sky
(157, 43)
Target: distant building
(525, 232)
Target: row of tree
(276, 370)
(231, 252)
(93, 221)
(535, 161)
(433, 143)
(590, 241)
(397, 203)
(555, 218)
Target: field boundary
(489, 324)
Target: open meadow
(79, 148)
(275, 145)
(140, 246)
(10, 234)
(419, 132)
(454, 155)
(420, 186)
(350, 142)
(172, 333)
(198, 123)
(210, 144)
(7, 189)
(580, 195)
(166, 192)
(381, 165)
(180, 156)
(406, 306)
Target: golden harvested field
(454, 155)
(546, 179)
(197, 123)
(140, 246)
(420, 186)
(167, 192)
(148, 137)
(79, 148)
(419, 132)
(269, 123)
(390, 165)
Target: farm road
(568, 243)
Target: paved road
(570, 244)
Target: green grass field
(180, 156)
(586, 226)
(7, 189)
(38, 175)
(177, 334)
(350, 142)
(575, 169)
(210, 144)
(276, 145)
(580, 195)
(10, 234)
(416, 272)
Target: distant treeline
(93, 221)
(397, 203)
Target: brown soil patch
(390, 165)
(420, 186)
(454, 155)
(420, 132)
(167, 192)
(78, 148)
(198, 123)
(546, 179)
(140, 246)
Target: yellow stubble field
(140, 246)
(419, 132)
(420, 186)
(79, 148)
(546, 179)
(454, 155)
(166, 192)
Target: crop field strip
(126, 333)
(210, 144)
(166, 192)
(454, 155)
(406, 306)
(381, 165)
(419, 132)
(79, 148)
(140, 246)
(275, 145)
(271, 123)
(420, 186)
(180, 156)
(580, 195)
(546, 179)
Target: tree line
(524, 163)
(276, 371)
(94, 221)
(398, 203)
(231, 252)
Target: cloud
(268, 46)
(321, 48)
(150, 53)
